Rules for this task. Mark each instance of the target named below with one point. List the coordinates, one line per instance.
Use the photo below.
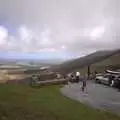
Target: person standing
(84, 83)
(77, 77)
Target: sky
(58, 28)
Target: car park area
(98, 96)
(109, 78)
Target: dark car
(117, 82)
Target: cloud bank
(70, 27)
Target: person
(77, 76)
(58, 76)
(73, 78)
(112, 83)
(69, 79)
(84, 84)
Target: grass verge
(46, 103)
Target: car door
(105, 80)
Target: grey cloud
(70, 22)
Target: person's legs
(83, 89)
(86, 89)
(77, 79)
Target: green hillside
(45, 103)
(98, 61)
(113, 62)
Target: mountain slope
(97, 57)
(113, 62)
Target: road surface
(97, 96)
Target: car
(117, 82)
(106, 79)
(35, 78)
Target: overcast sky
(60, 28)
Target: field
(15, 72)
(46, 103)
(10, 75)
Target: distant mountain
(91, 59)
(27, 62)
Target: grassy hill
(113, 62)
(46, 103)
(98, 60)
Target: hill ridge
(87, 60)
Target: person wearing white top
(77, 73)
(77, 76)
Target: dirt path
(97, 96)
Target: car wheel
(97, 81)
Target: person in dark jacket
(84, 83)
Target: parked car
(117, 82)
(35, 78)
(106, 79)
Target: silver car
(106, 79)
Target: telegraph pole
(88, 71)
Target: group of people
(76, 78)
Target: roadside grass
(45, 103)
